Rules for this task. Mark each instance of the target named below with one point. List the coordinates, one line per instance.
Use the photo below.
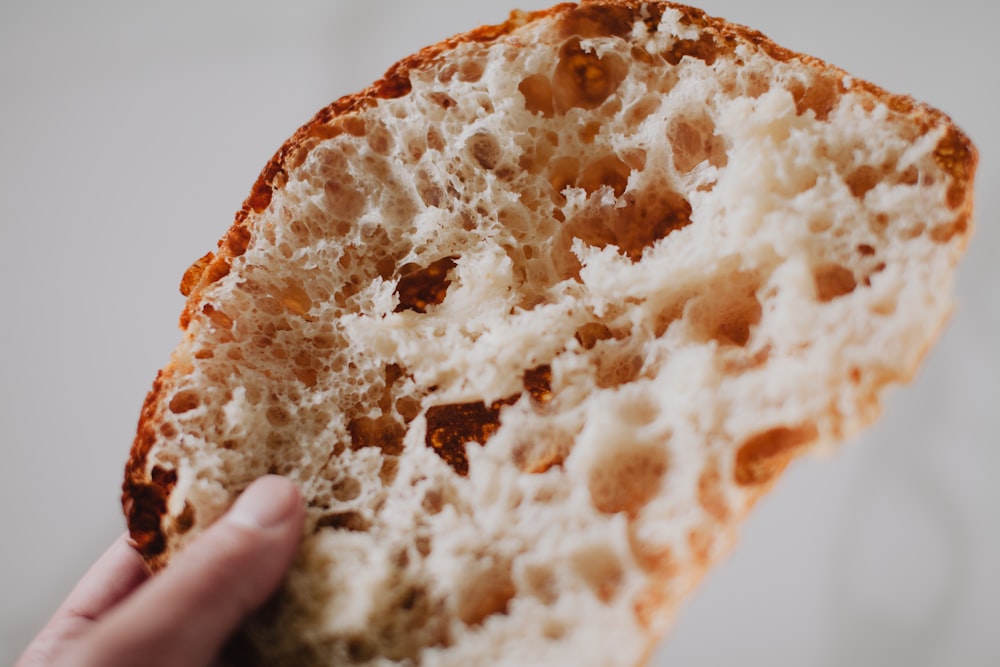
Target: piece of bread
(536, 318)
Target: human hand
(184, 615)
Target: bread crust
(142, 497)
(145, 493)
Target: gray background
(131, 133)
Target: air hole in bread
(583, 79)
(820, 221)
(408, 407)
(648, 216)
(184, 401)
(441, 99)
(909, 176)
(955, 157)
(451, 427)
(344, 196)
(601, 569)
(413, 622)
(300, 229)
(390, 468)
(165, 478)
(393, 372)
(523, 227)
(280, 446)
(703, 49)
(726, 311)
(640, 110)
(711, 495)
(833, 281)
(430, 193)
(353, 521)
(540, 582)
(294, 297)
(627, 479)
(590, 333)
(419, 288)
(907, 233)
(537, 152)
(434, 140)
(278, 416)
(863, 179)
(538, 455)
(484, 150)
(346, 489)
(640, 411)
(693, 141)
(486, 103)
(752, 83)
(218, 318)
(422, 543)
(486, 589)
(433, 501)
(635, 158)
(383, 432)
(379, 139)
(945, 233)
(537, 92)
(762, 457)
(563, 173)
(865, 250)
(416, 147)
(880, 221)
(538, 383)
(616, 365)
(470, 70)
(608, 171)
(819, 95)
(641, 55)
(590, 131)
(353, 125)
(361, 651)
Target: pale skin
(119, 615)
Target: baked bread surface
(536, 318)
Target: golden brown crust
(144, 500)
(145, 493)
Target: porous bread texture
(536, 319)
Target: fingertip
(269, 502)
(190, 608)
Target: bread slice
(536, 318)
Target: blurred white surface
(132, 132)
